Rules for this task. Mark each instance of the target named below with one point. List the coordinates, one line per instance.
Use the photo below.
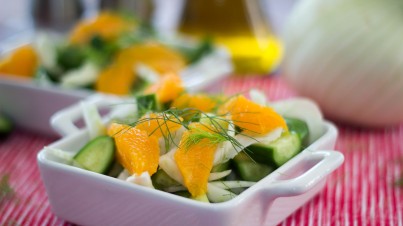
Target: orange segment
(136, 151)
(200, 101)
(22, 62)
(107, 25)
(253, 118)
(116, 128)
(116, 79)
(158, 126)
(119, 77)
(195, 161)
(156, 56)
(167, 89)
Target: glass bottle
(141, 9)
(55, 15)
(241, 26)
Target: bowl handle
(324, 162)
(63, 120)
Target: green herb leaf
(194, 54)
(6, 191)
(198, 135)
(70, 57)
(399, 182)
(6, 126)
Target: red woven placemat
(361, 192)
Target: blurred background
(248, 28)
(15, 15)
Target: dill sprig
(216, 127)
(6, 191)
(217, 131)
(198, 135)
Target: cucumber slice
(162, 180)
(300, 127)
(185, 194)
(277, 152)
(115, 169)
(6, 126)
(285, 148)
(97, 155)
(249, 170)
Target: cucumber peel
(300, 127)
(162, 180)
(250, 170)
(285, 148)
(277, 152)
(97, 155)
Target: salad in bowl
(109, 53)
(200, 146)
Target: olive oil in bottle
(240, 26)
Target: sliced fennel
(46, 48)
(143, 179)
(124, 112)
(227, 150)
(305, 110)
(258, 97)
(168, 164)
(232, 184)
(219, 175)
(171, 142)
(218, 194)
(124, 175)
(83, 76)
(146, 73)
(92, 119)
(62, 155)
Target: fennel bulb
(347, 55)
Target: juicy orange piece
(167, 89)
(116, 128)
(201, 102)
(116, 79)
(22, 62)
(107, 25)
(158, 126)
(253, 118)
(120, 77)
(156, 56)
(136, 151)
(195, 161)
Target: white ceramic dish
(88, 198)
(30, 106)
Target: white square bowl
(88, 198)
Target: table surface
(362, 191)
